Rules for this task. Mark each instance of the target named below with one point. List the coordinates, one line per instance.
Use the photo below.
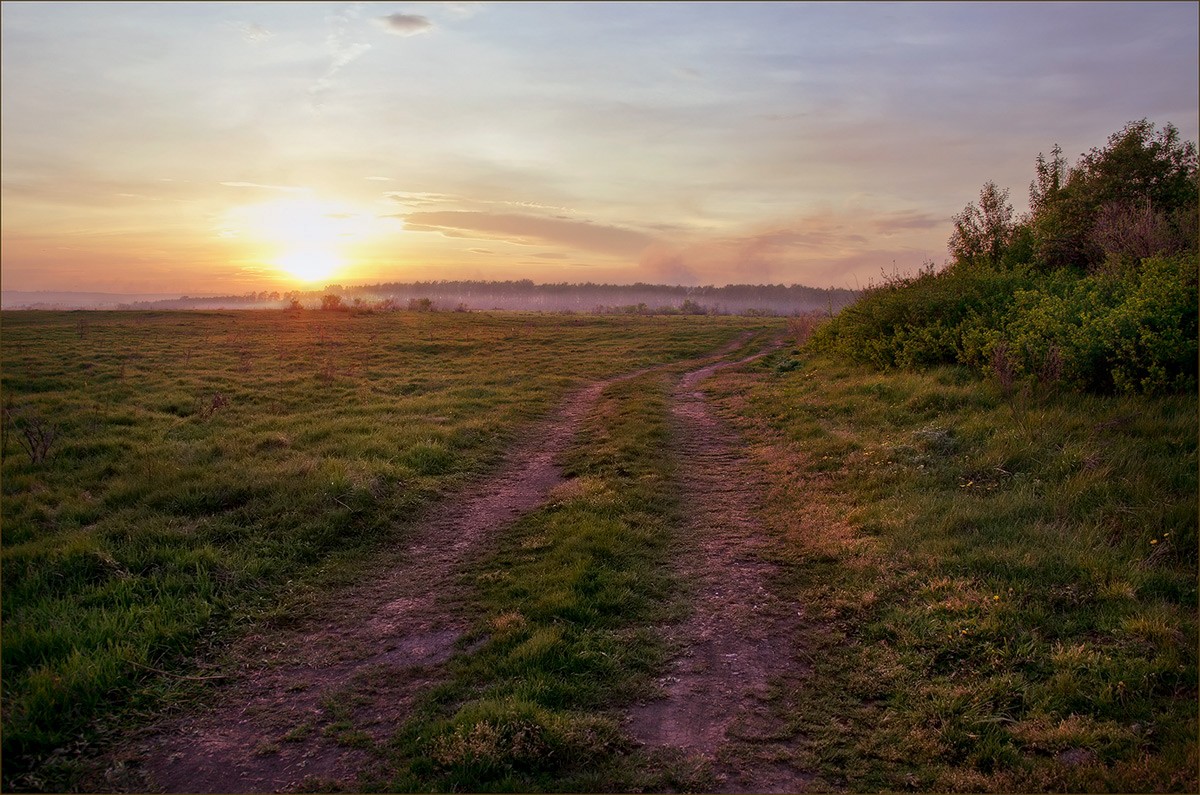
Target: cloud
(839, 249)
(421, 199)
(254, 33)
(908, 219)
(404, 24)
(260, 186)
(379, 179)
(462, 9)
(342, 51)
(532, 230)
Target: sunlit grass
(1002, 589)
(567, 601)
(204, 462)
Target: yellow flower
(1154, 541)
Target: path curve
(739, 638)
(364, 660)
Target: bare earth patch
(309, 703)
(738, 644)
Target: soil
(739, 643)
(305, 703)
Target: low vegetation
(567, 600)
(1095, 289)
(1001, 587)
(202, 464)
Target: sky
(223, 148)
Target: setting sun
(310, 264)
(308, 237)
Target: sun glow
(310, 265)
(307, 238)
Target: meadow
(998, 580)
(168, 478)
(1001, 582)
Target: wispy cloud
(260, 186)
(819, 248)
(404, 24)
(532, 230)
(892, 223)
(342, 51)
(254, 33)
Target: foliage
(983, 232)
(1135, 197)
(1095, 290)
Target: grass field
(999, 587)
(1002, 587)
(198, 466)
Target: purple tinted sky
(211, 147)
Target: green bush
(1117, 313)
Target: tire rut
(309, 702)
(738, 642)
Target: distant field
(166, 476)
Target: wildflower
(1154, 541)
(995, 598)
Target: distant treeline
(738, 299)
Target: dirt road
(307, 701)
(739, 640)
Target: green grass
(1002, 589)
(205, 464)
(567, 599)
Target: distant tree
(983, 231)
(1049, 179)
(332, 302)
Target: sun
(310, 264)
(304, 237)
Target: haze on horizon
(229, 147)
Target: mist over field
(521, 295)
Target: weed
(35, 433)
(217, 402)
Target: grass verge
(1002, 587)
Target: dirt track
(738, 640)
(371, 651)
